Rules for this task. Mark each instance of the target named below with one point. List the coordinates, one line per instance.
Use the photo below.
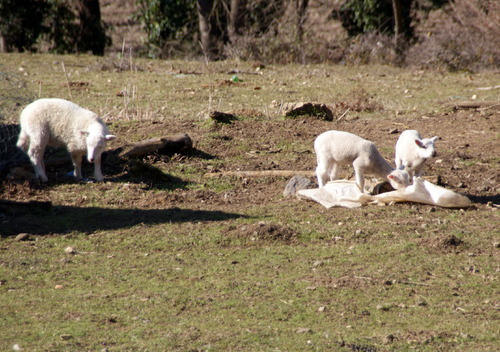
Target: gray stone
(295, 184)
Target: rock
(303, 330)
(22, 237)
(20, 173)
(384, 307)
(317, 263)
(308, 109)
(222, 117)
(70, 250)
(422, 303)
(388, 339)
(296, 184)
(382, 187)
(483, 188)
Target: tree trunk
(92, 36)
(204, 13)
(4, 48)
(236, 19)
(301, 17)
(398, 26)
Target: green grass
(158, 268)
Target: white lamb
(58, 122)
(334, 148)
(412, 151)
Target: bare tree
(92, 36)
(205, 8)
(301, 6)
(236, 18)
(398, 18)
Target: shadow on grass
(44, 220)
(115, 169)
(495, 199)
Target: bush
(22, 23)
(368, 16)
(464, 37)
(49, 25)
(168, 24)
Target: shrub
(21, 23)
(464, 37)
(168, 24)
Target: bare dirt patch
(444, 244)
(262, 231)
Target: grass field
(167, 259)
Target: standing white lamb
(58, 122)
(334, 148)
(412, 151)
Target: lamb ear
(419, 143)
(435, 138)
(84, 133)
(110, 137)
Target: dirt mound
(264, 232)
(444, 243)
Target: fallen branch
(163, 145)
(263, 173)
(489, 88)
(475, 104)
(340, 118)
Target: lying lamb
(58, 122)
(412, 151)
(334, 148)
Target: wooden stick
(263, 173)
(474, 104)
(67, 80)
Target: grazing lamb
(334, 148)
(412, 151)
(58, 122)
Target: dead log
(222, 117)
(262, 173)
(308, 109)
(475, 105)
(162, 145)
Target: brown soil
(467, 159)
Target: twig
(413, 283)
(340, 118)
(488, 88)
(263, 173)
(210, 84)
(489, 107)
(130, 59)
(123, 50)
(67, 80)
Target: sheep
(412, 151)
(334, 148)
(58, 122)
